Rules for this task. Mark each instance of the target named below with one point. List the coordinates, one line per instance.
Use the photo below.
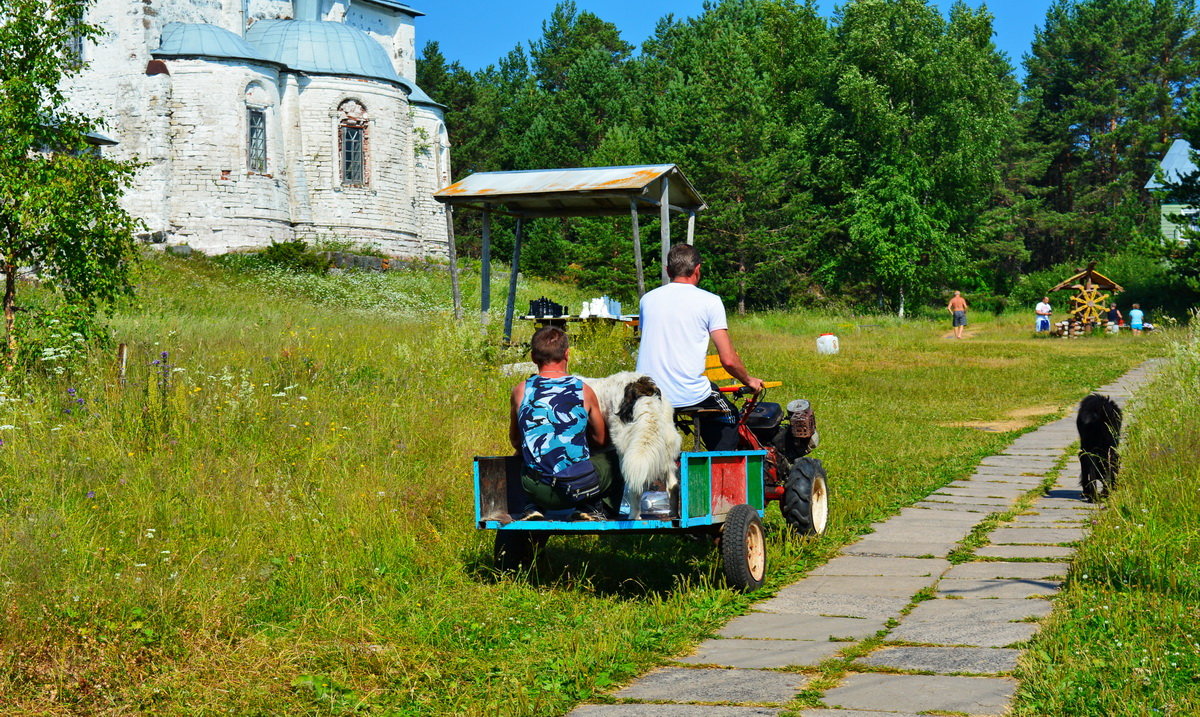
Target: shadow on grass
(622, 566)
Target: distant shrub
(294, 256)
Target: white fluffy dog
(641, 426)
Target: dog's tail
(651, 445)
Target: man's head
(682, 261)
(1137, 306)
(548, 345)
(958, 293)
(1045, 299)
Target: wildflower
(70, 392)
(7, 427)
(91, 494)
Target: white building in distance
(270, 120)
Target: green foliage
(56, 336)
(294, 256)
(59, 201)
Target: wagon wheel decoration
(1088, 304)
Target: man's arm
(597, 428)
(514, 432)
(732, 361)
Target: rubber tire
(514, 550)
(744, 549)
(805, 504)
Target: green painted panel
(754, 481)
(699, 488)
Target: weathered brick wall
(431, 172)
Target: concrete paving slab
(1031, 552)
(1013, 471)
(922, 516)
(1048, 521)
(854, 713)
(798, 602)
(1035, 536)
(1040, 452)
(782, 626)
(994, 611)
(967, 500)
(980, 510)
(928, 531)
(868, 565)
(889, 585)
(992, 570)
(904, 549)
(964, 631)
(1003, 461)
(759, 654)
(944, 660)
(684, 685)
(670, 711)
(1073, 494)
(1006, 588)
(921, 693)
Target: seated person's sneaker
(529, 512)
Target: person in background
(1114, 319)
(1043, 311)
(677, 321)
(1135, 319)
(958, 313)
(557, 426)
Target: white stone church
(270, 120)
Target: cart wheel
(805, 504)
(744, 549)
(514, 549)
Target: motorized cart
(721, 494)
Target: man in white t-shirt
(677, 321)
(1042, 322)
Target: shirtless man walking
(958, 312)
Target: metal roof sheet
(585, 191)
(396, 6)
(1175, 165)
(323, 48)
(180, 39)
(417, 96)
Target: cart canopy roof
(578, 192)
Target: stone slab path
(953, 649)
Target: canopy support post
(637, 248)
(454, 289)
(691, 239)
(485, 271)
(664, 216)
(512, 281)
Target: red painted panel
(728, 483)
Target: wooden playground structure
(1089, 305)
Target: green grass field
(274, 513)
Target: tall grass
(1125, 635)
(273, 514)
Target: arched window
(352, 143)
(257, 103)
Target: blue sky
(478, 32)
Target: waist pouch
(579, 481)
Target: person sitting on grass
(557, 426)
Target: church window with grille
(352, 143)
(256, 140)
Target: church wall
(381, 212)
(393, 30)
(431, 166)
(216, 203)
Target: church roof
(181, 39)
(396, 6)
(1175, 166)
(417, 95)
(323, 48)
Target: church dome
(181, 39)
(323, 48)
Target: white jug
(827, 344)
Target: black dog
(1099, 424)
